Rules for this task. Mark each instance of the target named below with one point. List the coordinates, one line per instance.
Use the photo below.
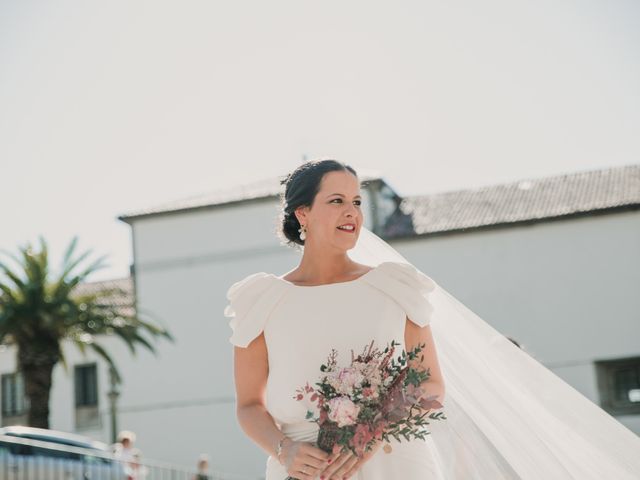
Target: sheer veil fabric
(508, 416)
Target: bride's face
(338, 202)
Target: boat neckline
(347, 282)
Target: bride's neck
(319, 267)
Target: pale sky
(110, 106)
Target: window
(13, 398)
(86, 383)
(619, 385)
(87, 414)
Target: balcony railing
(22, 459)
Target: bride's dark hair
(301, 188)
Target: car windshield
(59, 453)
(51, 439)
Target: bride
(507, 416)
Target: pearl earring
(303, 232)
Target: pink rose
(345, 380)
(343, 411)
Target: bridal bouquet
(370, 400)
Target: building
(552, 262)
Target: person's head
(126, 438)
(321, 195)
(203, 462)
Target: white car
(28, 453)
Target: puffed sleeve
(251, 301)
(408, 286)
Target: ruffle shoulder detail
(251, 301)
(408, 286)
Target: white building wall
(567, 290)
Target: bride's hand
(302, 460)
(346, 464)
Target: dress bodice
(301, 324)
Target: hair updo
(301, 188)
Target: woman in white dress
(507, 416)
(328, 301)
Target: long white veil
(508, 416)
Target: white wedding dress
(508, 416)
(302, 324)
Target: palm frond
(82, 275)
(33, 306)
(12, 276)
(99, 349)
(69, 252)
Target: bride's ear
(301, 214)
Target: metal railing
(23, 459)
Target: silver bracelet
(279, 448)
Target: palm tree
(38, 313)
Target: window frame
(17, 389)
(605, 373)
(82, 402)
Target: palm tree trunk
(36, 363)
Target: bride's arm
(251, 368)
(414, 335)
(250, 371)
